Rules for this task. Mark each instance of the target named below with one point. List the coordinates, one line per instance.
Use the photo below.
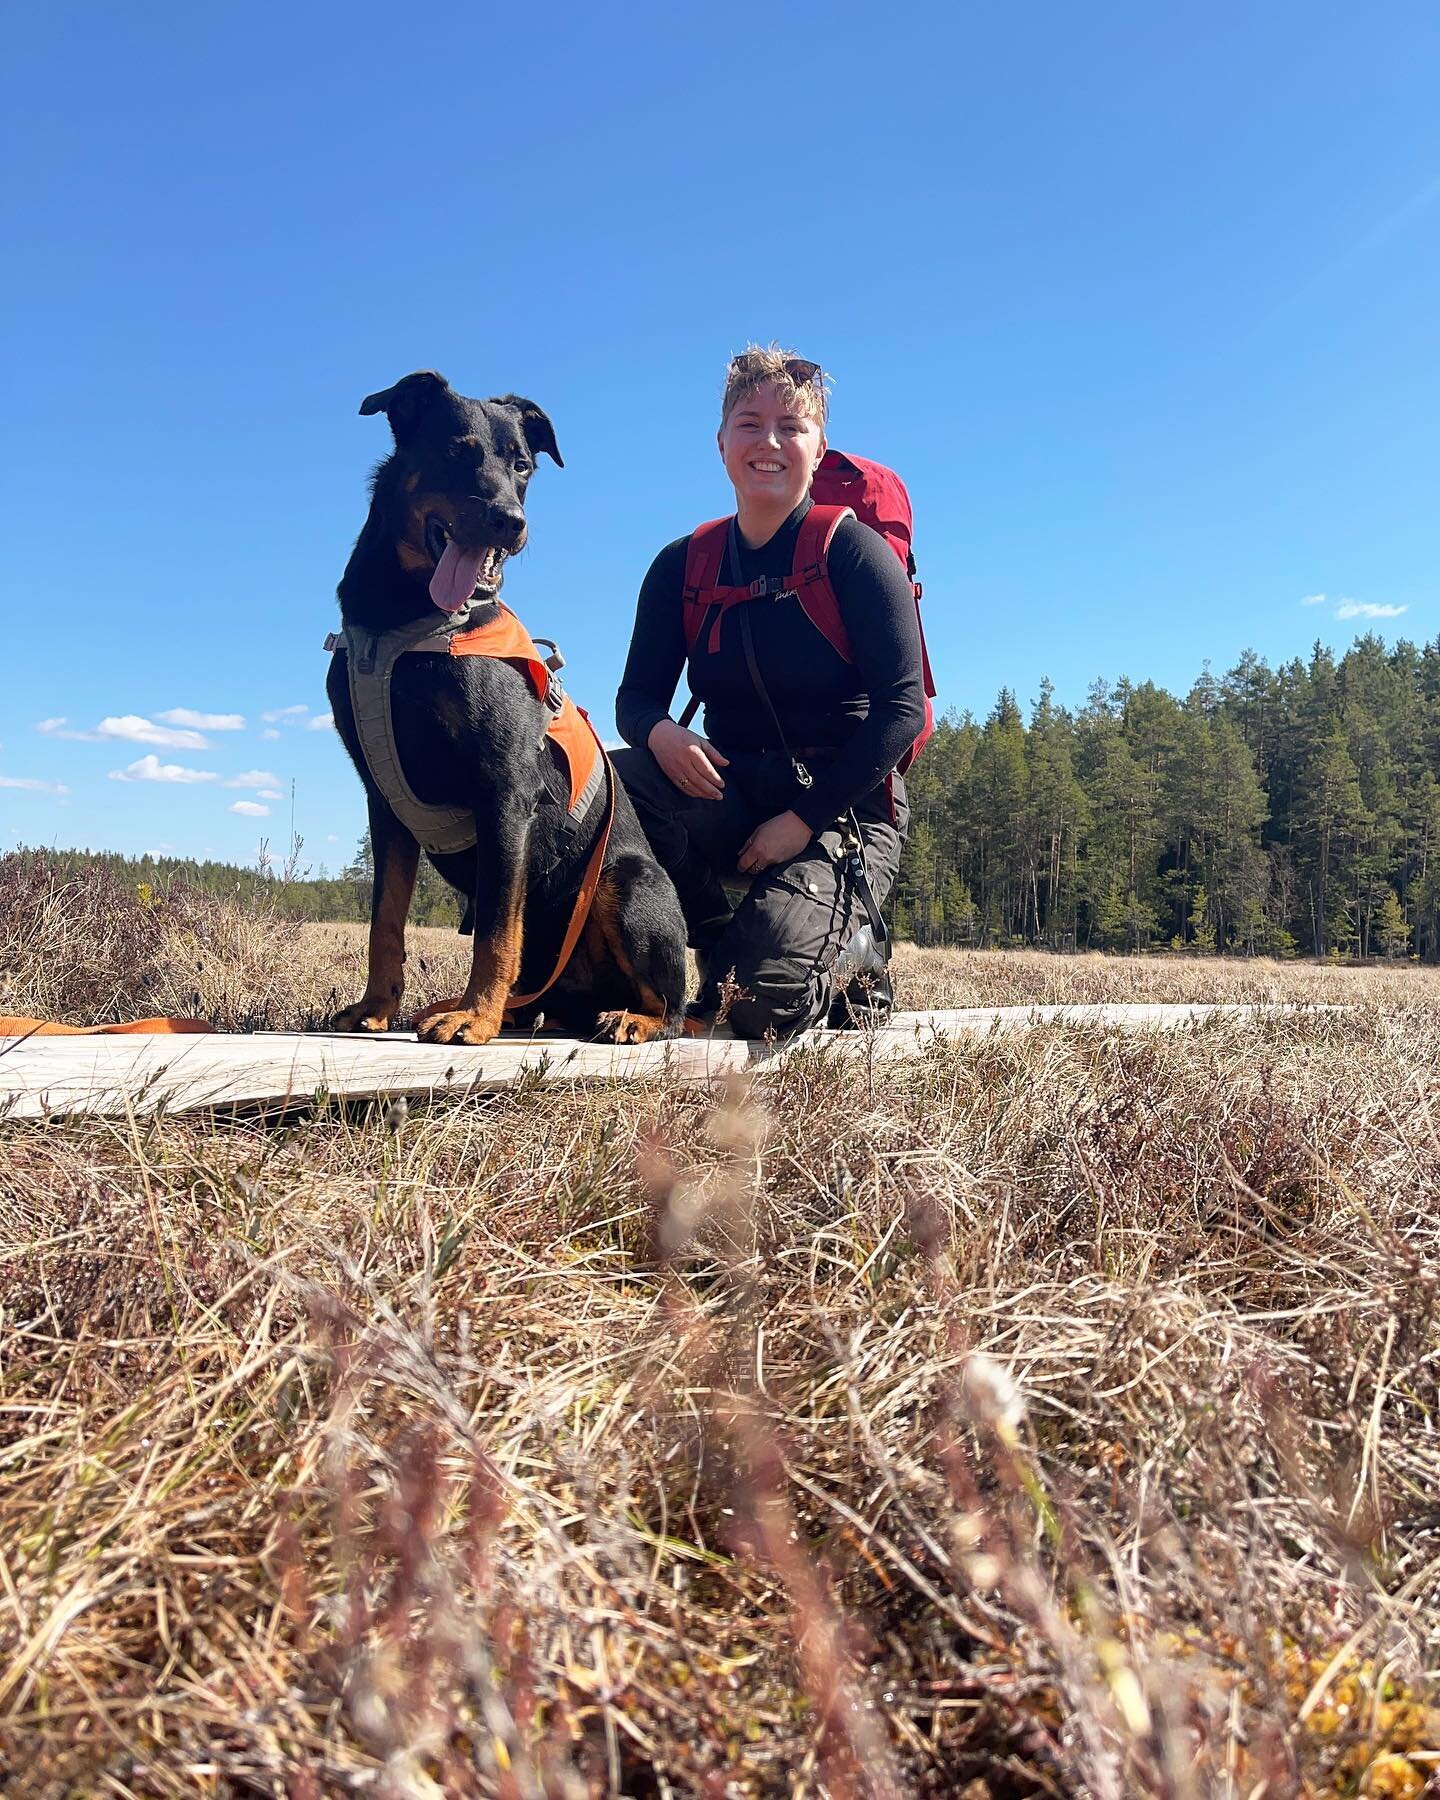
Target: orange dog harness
(371, 658)
(567, 727)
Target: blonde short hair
(799, 382)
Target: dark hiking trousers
(778, 937)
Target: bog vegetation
(1056, 1415)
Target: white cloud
(185, 715)
(254, 778)
(130, 728)
(1313, 600)
(332, 837)
(1367, 609)
(270, 735)
(321, 722)
(285, 715)
(150, 768)
(270, 794)
(31, 786)
(249, 810)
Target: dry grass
(1056, 1415)
(92, 949)
(943, 978)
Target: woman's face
(770, 450)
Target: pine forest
(1270, 812)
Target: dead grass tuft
(90, 949)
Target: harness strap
(811, 581)
(579, 913)
(585, 899)
(370, 659)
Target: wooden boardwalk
(50, 1077)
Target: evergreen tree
(1333, 809)
(1393, 931)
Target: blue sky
(1140, 299)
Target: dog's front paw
(364, 1015)
(459, 1027)
(630, 1028)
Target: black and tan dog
(468, 732)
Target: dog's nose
(509, 520)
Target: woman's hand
(776, 841)
(691, 763)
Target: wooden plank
(46, 1077)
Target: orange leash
(18, 1027)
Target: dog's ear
(405, 403)
(535, 424)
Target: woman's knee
(638, 771)
(775, 997)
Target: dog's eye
(522, 467)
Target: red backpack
(843, 485)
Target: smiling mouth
(768, 468)
(461, 574)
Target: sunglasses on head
(800, 369)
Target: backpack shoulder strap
(704, 560)
(810, 576)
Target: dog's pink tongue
(453, 582)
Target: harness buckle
(759, 587)
(334, 640)
(554, 661)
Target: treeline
(1270, 812)
(293, 892)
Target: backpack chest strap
(715, 554)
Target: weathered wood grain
(44, 1077)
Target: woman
(733, 804)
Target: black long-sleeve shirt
(869, 711)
